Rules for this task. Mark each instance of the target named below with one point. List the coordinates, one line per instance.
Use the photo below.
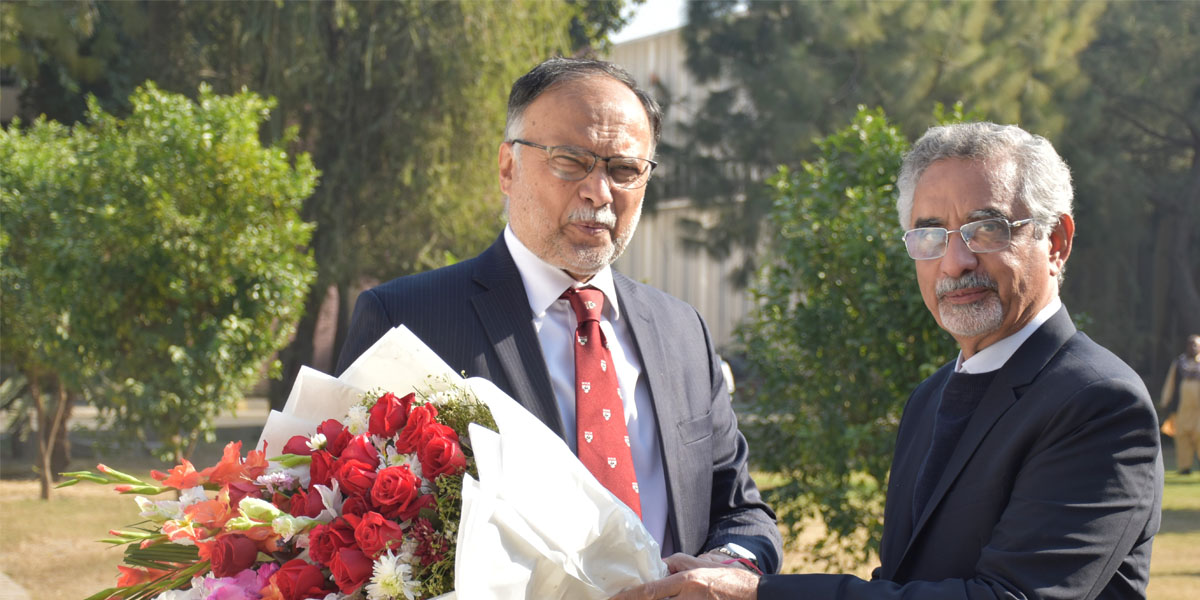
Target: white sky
(652, 17)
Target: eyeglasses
(988, 235)
(572, 164)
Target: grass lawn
(50, 548)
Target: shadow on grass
(1177, 520)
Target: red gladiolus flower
(298, 445)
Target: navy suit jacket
(1054, 490)
(476, 316)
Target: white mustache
(586, 214)
(970, 280)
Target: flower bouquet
(451, 486)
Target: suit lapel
(1020, 370)
(914, 437)
(504, 311)
(648, 341)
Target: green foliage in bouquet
(840, 336)
(154, 263)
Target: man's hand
(697, 578)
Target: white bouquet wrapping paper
(536, 524)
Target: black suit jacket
(1054, 490)
(476, 316)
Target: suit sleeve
(1083, 499)
(369, 323)
(737, 512)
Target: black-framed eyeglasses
(572, 164)
(988, 235)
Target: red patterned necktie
(600, 430)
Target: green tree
(786, 73)
(840, 336)
(164, 252)
(400, 103)
(1134, 147)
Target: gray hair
(557, 71)
(1022, 166)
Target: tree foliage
(788, 73)
(840, 336)
(155, 262)
(400, 103)
(1134, 147)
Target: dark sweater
(960, 397)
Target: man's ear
(507, 162)
(1060, 243)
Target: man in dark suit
(1028, 467)
(573, 169)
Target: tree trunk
(345, 309)
(60, 453)
(39, 407)
(50, 427)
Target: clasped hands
(703, 577)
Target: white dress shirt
(993, 357)
(555, 323)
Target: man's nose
(958, 259)
(596, 187)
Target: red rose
(356, 505)
(440, 452)
(232, 553)
(413, 433)
(397, 493)
(376, 533)
(298, 445)
(325, 540)
(361, 449)
(336, 436)
(297, 579)
(351, 569)
(305, 504)
(389, 414)
(354, 476)
(320, 470)
(242, 489)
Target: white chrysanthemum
(414, 465)
(392, 578)
(358, 420)
(316, 442)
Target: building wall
(657, 254)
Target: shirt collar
(544, 282)
(993, 357)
